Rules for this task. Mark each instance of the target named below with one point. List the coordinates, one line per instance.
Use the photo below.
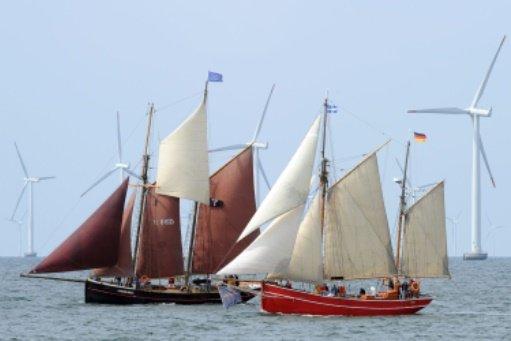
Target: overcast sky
(66, 67)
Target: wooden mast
(145, 181)
(323, 177)
(402, 214)
(194, 221)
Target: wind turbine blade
(485, 159)
(226, 148)
(132, 173)
(99, 180)
(455, 111)
(480, 91)
(119, 146)
(260, 165)
(46, 177)
(261, 120)
(21, 160)
(19, 199)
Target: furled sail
(123, 267)
(220, 223)
(292, 186)
(424, 239)
(271, 251)
(357, 239)
(307, 260)
(95, 243)
(183, 168)
(160, 252)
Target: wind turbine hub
(260, 145)
(479, 112)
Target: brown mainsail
(95, 243)
(160, 252)
(220, 224)
(123, 268)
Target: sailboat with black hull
(342, 235)
(154, 271)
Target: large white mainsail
(292, 186)
(271, 251)
(183, 167)
(424, 237)
(307, 259)
(357, 238)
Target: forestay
(357, 239)
(424, 240)
(271, 251)
(292, 186)
(183, 169)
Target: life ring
(415, 288)
(144, 279)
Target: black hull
(99, 292)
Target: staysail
(424, 239)
(123, 267)
(357, 238)
(292, 186)
(220, 223)
(183, 168)
(160, 252)
(271, 251)
(307, 259)
(95, 243)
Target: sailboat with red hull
(156, 269)
(341, 235)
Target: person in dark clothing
(404, 290)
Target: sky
(67, 66)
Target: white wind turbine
(475, 113)
(256, 145)
(29, 182)
(120, 166)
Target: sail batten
(357, 238)
(424, 237)
(160, 251)
(95, 244)
(292, 187)
(183, 166)
(220, 223)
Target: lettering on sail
(164, 222)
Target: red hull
(279, 300)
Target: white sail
(292, 186)
(357, 238)
(424, 237)
(183, 167)
(271, 251)
(307, 260)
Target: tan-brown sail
(220, 223)
(357, 238)
(424, 237)
(123, 268)
(160, 252)
(95, 243)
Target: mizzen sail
(357, 238)
(292, 186)
(160, 252)
(123, 267)
(183, 168)
(220, 223)
(95, 243)
(424, 237)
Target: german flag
(419, 137)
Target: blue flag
(229, 295)
(215, 77)
(331, 109)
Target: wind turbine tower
(29, 182)
(475, 113)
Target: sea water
(474, 304)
